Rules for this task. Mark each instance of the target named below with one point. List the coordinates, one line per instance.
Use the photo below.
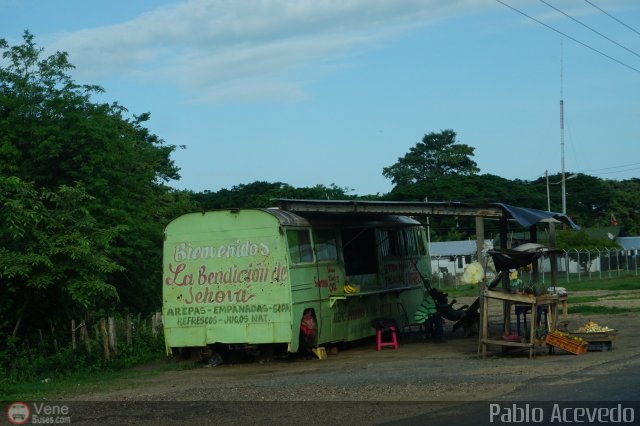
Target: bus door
(328, 279)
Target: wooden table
(509, 300)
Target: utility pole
(546, 176)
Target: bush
(21, 362)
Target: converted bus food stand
(245, 277)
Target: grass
(599, 310)
(83, 382)
(585, 299)
(625, 282)
(461, 291)
(577, 306)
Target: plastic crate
(566, 343)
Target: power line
(612, 167)
(617, 171)
(624, 168)
(588, 27)
(613, 17)
(569, 37)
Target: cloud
(249, 49)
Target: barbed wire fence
(573, 265)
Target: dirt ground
(418, 371)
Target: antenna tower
(564, 194)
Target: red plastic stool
(385, 325)
(393, 342)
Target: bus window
(299, 246)
(391, 243)
(415, 244)
(326, 245)
(359, 249)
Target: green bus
(245, 277)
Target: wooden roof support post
(535, 271)
(480, 240)
(553, 258)
(506, 306)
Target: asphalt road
(602, 389)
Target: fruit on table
(593, 327)
(559, 333)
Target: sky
(309, 92)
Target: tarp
(528, 217)
(522, 255)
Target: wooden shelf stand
(509, 300)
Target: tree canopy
(260, 194)
(438, 154)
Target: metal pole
(564, 193)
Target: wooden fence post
(73, 334)
(138, 324)
(53, 333)
(105, 339)
(84, 335)
(154, 324)
(129, 340)
(113, 341)
(156, 321)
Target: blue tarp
(529, 217)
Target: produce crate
(566, 343)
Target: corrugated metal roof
(524, 216)
(344, 220)
(287, 218)
(629, 243)
(456, 248)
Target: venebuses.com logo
(18, 413)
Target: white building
(451, 257)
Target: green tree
(438, 154)
(587, 198)
(260, 194)
(625, 205)
(471, 189)
(54, 256)
(53, 134)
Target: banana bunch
(350, 289)
(593, 327)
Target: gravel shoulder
(418, 371)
